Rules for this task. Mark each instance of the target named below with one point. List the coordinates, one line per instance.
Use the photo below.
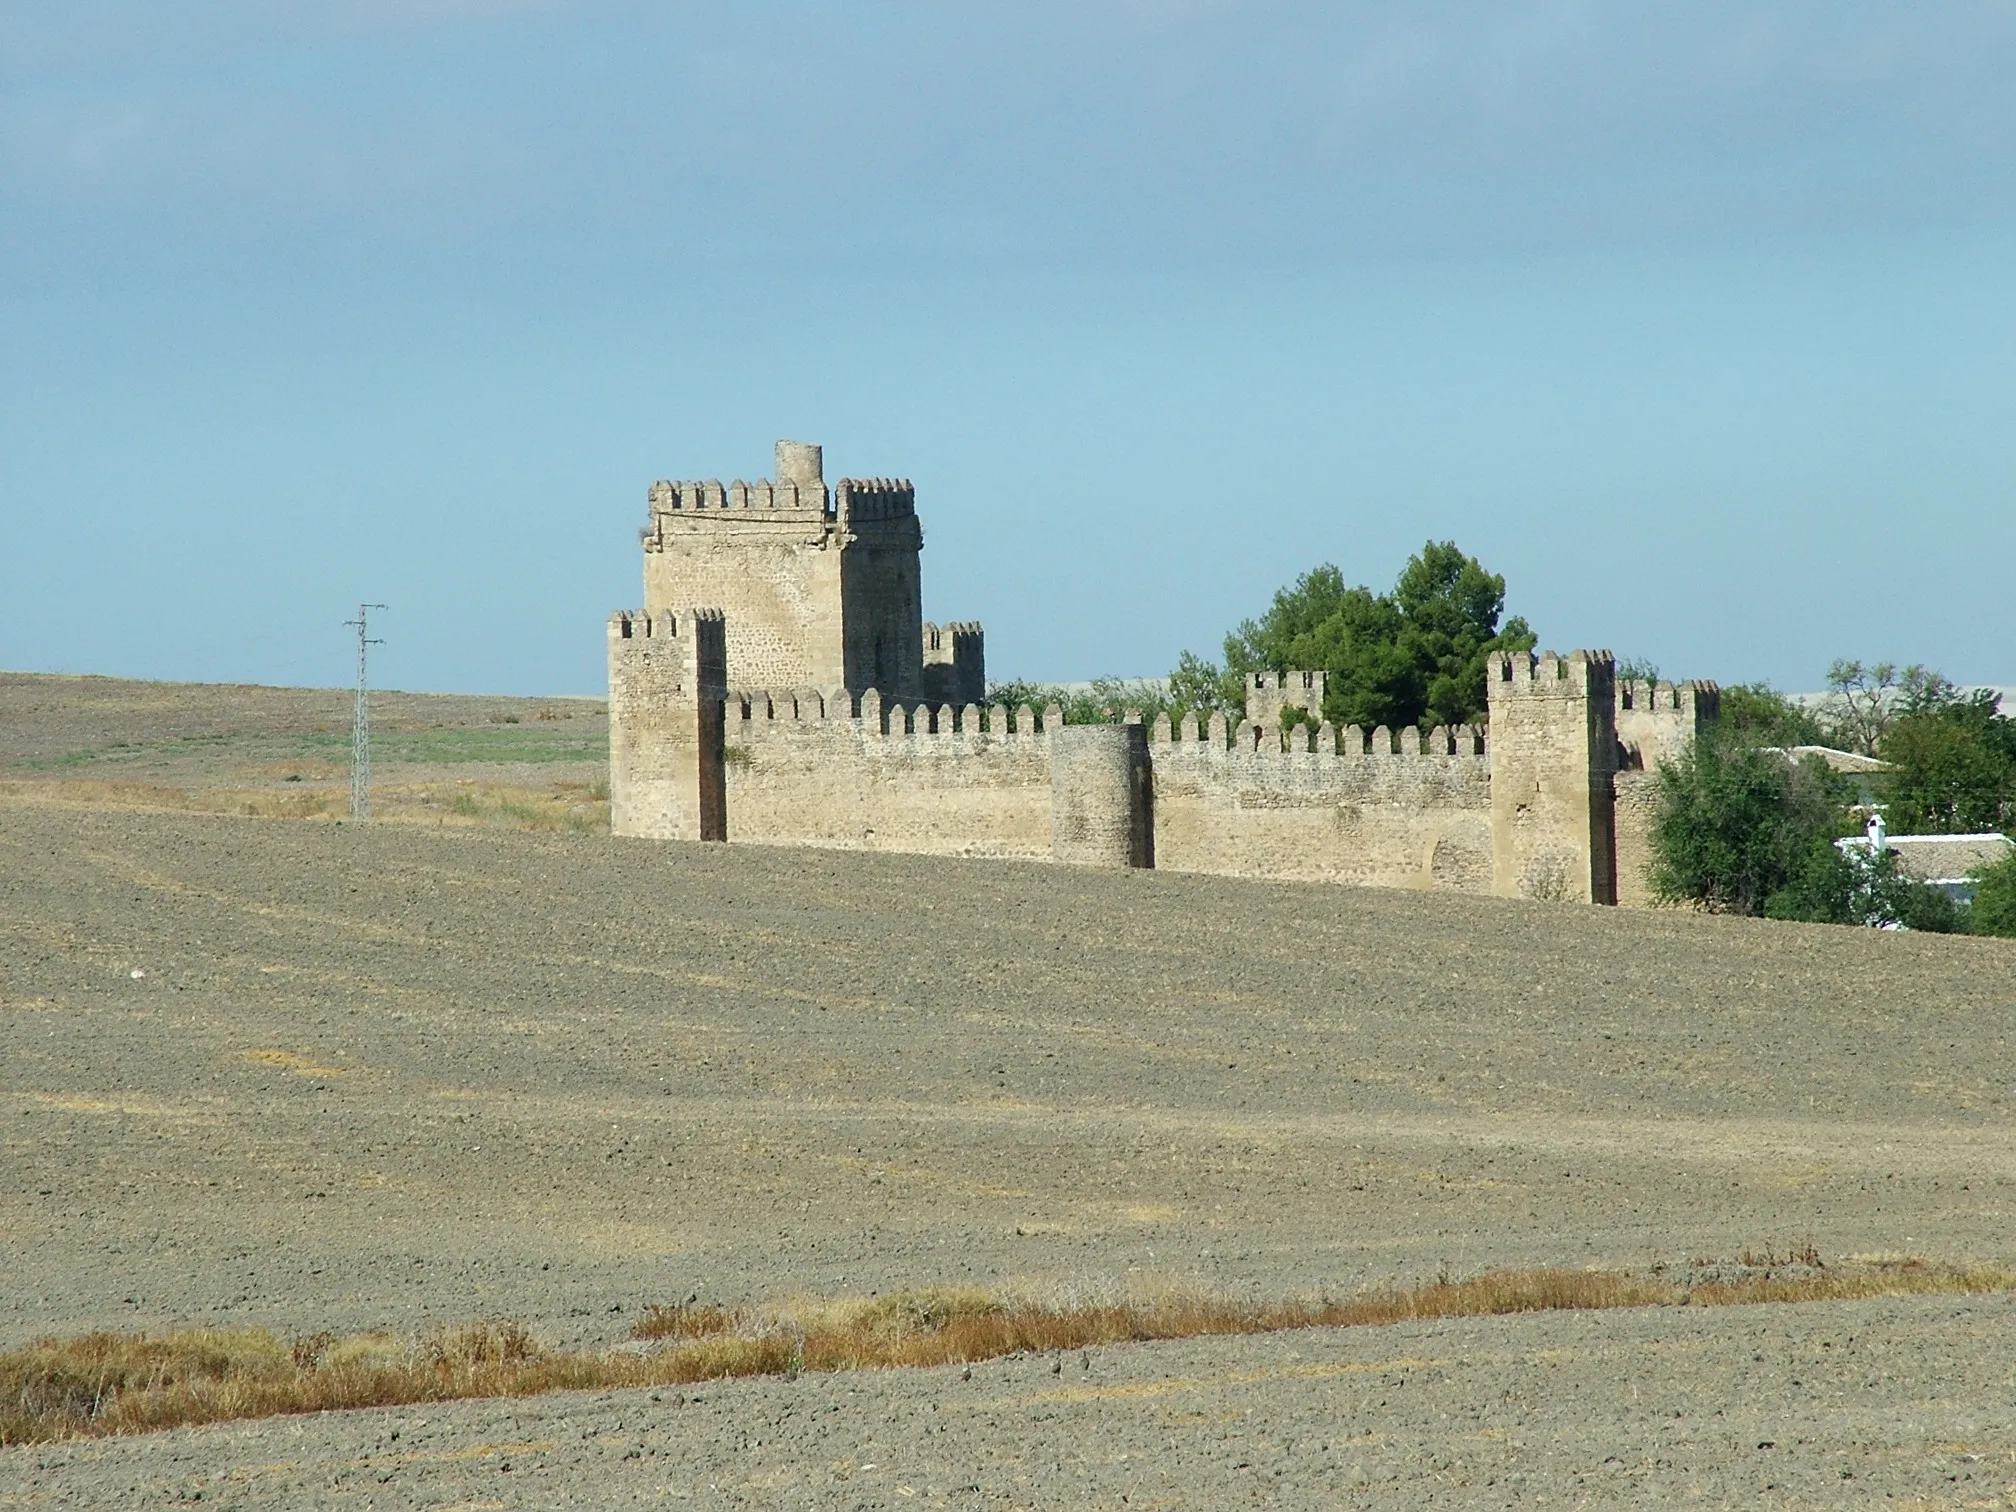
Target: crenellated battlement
(877, 715)
(868, 499)
(666, 654)
(1688, 700)
(1550, 675)
(821, 583)
(799, 492)
(1655, 720)
(955, 662)
(1269, 695)
(1351, 743)
(760, 497)
(639, 629)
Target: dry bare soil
(217, 748)
(314, 1076)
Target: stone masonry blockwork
(781, 687)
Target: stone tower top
(820, 584)
(801, 462)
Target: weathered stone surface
(807, 589)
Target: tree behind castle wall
(1415, 655)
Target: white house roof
(1840, 761)
(1947, 858)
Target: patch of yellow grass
(103, 1384)
(83, 793)
(569, 807)
(287, 1060)
(572, 806)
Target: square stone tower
(1553, 775)
(1268, 694)
(1656, 720)
(819, 587)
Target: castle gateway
(780, 686)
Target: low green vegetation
(1414, 655)
(1953, 769)
(1993, 911)
(504, 742)
(1742, 828)
(1760, 715)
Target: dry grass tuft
(684, 1320)
(103, 1384)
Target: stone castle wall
(811, 768)
(884, 745)
(1270, 694)
(1655, 720)
(1382, 808)
(774, 574)
(1328, 809)
(955, 664)
(1102, 796)
(1637, 801)
(823, 586)
(881, 587)
(666, 680)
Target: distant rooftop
(1840, 761)
(2005, 696)
(1942, 859)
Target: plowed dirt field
(311, 1076)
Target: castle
(780, 686)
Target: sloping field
(315, 1077)
(439, 759)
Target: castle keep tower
(820, 588)
(1553, 773)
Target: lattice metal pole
(360, 722)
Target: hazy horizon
(1694, 321)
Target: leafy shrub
(1764, 716)
(1881, 896)
(1743, 830)
(1954, 768)
(1994, 908)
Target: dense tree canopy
(1412, 656)
(1764, 716)
(1738, 828)
(1954, 766)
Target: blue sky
(1696, 321)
